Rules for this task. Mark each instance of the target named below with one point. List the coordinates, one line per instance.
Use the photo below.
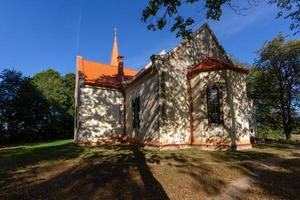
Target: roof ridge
(195, 33)
(97, 62)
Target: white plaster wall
(205, 132)
(173, 67)
(165, 117)
(235, 129)
(147, 89)
(241, 107)
(100, 114)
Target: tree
(168, 11)
(265, 98)
(276, 83)
(56, 91)
(36, 108)
(11, 82)
(69, 82)
(32, 109)
(22, 106)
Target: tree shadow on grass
(282, 182)
(273, 172)
(152, 186)
(122, 172)
(20, 157)
(109, 172)
(201, 178)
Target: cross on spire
(115, 29)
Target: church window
(136, 112)
(214, 104)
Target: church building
(191, 96)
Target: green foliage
(274, 84)
(59, 92)
(36, 108)
(168, 12)
(270, 134)
(69, 84)
(52, 87)
(289, 9)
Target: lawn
(63, 170)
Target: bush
(270, 134)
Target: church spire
(115, 52)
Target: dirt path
(238, 188)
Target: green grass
(63, 170)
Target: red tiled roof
(213, 64)
(96, 73)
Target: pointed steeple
(115, 52)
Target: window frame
(216, 105)
(135, 107)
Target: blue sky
(40, 34)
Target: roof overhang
(214, 64)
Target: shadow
(106, 172)
(147, 89)
(183, 108)
(153, 188)
(21, 157)
(273, 168)
(67, 171)
(172, 110)
(101, 115)
(35, 109)
(282, 182)
(195, 173)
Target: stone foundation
(153, 145)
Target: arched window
(214, 104)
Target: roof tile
(96, 73)
(213, 64)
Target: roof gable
(201, 44)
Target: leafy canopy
(159, 13)
(274, 84)
(37, 107)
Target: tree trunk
(287, 135)
(289, 117)
(283, 112)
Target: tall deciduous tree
(22, 106)
(158, 13)
(35, 108)
(276, 83)
(11, 82)
(56, 90)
